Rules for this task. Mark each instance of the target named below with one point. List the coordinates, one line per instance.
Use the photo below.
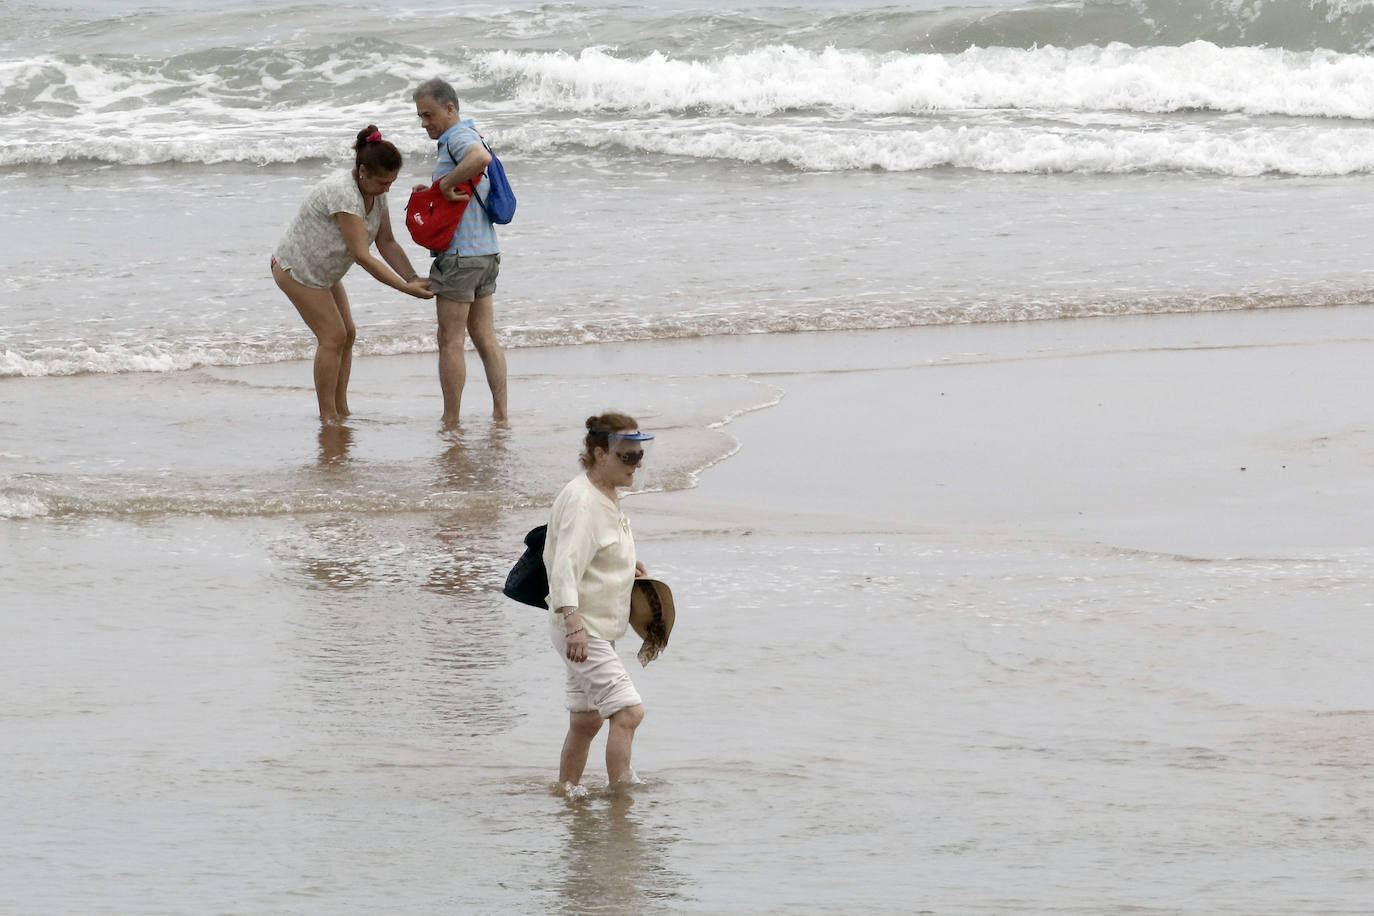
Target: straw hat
(652, 615)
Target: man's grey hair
(438, 90)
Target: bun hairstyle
(377, 154)
(597, 430)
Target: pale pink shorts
(599, 684)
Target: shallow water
(888, 721)
(791, 253)
(1000, 710)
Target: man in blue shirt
(463, 277)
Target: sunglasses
(631, 458)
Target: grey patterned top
(313, 248)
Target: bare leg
(482, 328)
(453, 370)
(346, 360)
(333, 333)
(618, 742)
(582, 728)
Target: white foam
(994, 147)
(780, 78)
(166, 356)
(795, 315)
(267, 106)
(22, 507)
(1088, 109)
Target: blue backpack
(500, 203)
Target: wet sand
(1025, 618)
(1213, 435)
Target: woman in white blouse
(590, 556)
(340, 220)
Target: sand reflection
(473, 555)
(616, 861)
(476, 461)
(335, 440)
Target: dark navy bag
(528, 581)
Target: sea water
(254, 666)
(686, 169)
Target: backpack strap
(478, 197)
(472, 182)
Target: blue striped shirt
(476, 235)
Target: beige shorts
(599, 684)
(464, 279)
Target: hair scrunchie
(374, 137)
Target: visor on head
(630, 448)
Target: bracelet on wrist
(574, 632)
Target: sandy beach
(977, 619)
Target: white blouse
(589, 553)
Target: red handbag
(431, 218)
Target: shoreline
(1211, 435)
(1105, 428)
(377, 340)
